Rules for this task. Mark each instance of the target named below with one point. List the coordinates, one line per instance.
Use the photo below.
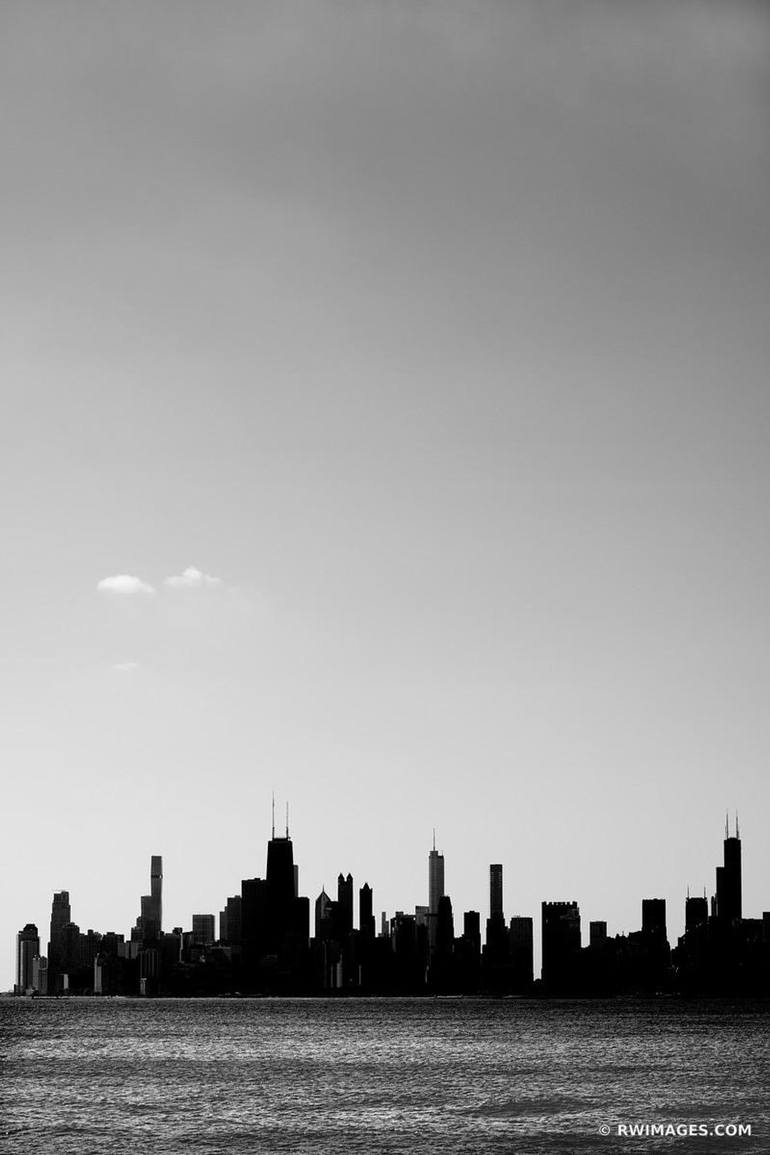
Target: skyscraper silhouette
(728, 897)
(497, 949)
(61, 917)
(520, 933)
(203, 930)
(344, 905)
(435, 891)
(445, 933)
(366, 921)
(597, 933)
(496, 890)
(230, 921)
(324, 917)
(561, 946)
(696, 912)
(27, 950)
(279, 878)
(651, 949)
(287, 915)
(253, 927)
(654, 917)
(156, 895)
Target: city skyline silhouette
(268, 942)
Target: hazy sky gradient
(438, 333)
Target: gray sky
(438, 335)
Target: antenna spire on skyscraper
(287, 819)
(273, 814)
(737, 827)
(727, 824)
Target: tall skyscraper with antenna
(729, 904)
(435, 891)
(287, 915)
(279, 876)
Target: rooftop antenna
(688, 894)
(737, 827)
(287, 819)
(274, 814)
(727, 828)
(434, 837)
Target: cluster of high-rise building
(266, 944)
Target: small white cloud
(191, 578)
(125, 585)
(125, 667)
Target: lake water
(415, 1076)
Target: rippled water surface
(418, 1076)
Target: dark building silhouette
(61, 916)
(114, 972)
(71, 960)
(203, 930)
(367, 959)
(468, 951)
(279, 877)
(144, 930)
(435, 890)
(366, 921)
(522, 953)
(521, 939)
(496, 890)
(253, 929)
(445, 931)
(325, 917)
(442, 970)
(344, 905)
(154, 926)
(170, 950)
(561, 947)
(728, 896)
(148, 927)
(654, 917)
(90, 945)
(327, 952)
(409, 943)
(40, 975)
(597, 933)
(696, 912)
(285, 942)
(472, 928)
(230, 921)
(496, 956)
(601, 961)
(27, 950)
(650, 954)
